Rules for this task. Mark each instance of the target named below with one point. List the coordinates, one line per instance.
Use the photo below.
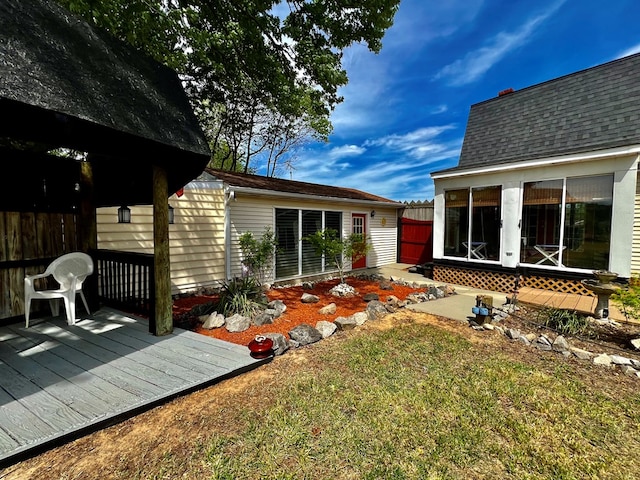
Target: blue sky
(405, 110)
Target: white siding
(623, 167)
(254, 213)
(204, 238)
(635, 257)
(196, 238)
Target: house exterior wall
(196, 237)
(635, 251)
(253, 213)
(512, 178)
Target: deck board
(58, 382)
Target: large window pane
(485, 223)
(287, 236)
(540, 234)
(456, 222)
(311, 223)
(588, 209)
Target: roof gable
(589, 110)
(293, 187)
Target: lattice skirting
(505, 282)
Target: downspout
(229, 196)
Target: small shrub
(629, 299)
(241, 295)
(566, 322)
(258, 252)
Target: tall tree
(260, 73)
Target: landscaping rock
(636, 343)
(278, 306)
(376, 310)
(343, 290)
(328, 309)
(345, 323)
(602, 359)
(630, 371)
(360, 318)
(308, 298)
(265, 318)
(215, 320)
(371, 296)
(305, 334)
(581, 354)
(280, 344)
(513, 333)
(325, 328)
(386, 285)
(619, 360)
(237, 323)
(560, 344)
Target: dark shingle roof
(65, 83)
(592, 109)
(292, 186)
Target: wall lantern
(124, 214)
(171, 214)
(373, 213)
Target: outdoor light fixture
(124, 214)
(373, 213)
(171, 214)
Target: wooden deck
(59, 382)
(585, 304)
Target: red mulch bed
(298, 312)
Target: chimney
(505, 92)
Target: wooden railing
(125, 281)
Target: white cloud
(629, 51)
(346, 151)
(418, 144)
(476, 63)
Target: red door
(359, 226)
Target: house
(546, 188)
(216, 208)
(65, 84)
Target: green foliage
(258, 253)
(566, 322)
(338, 251)
(629, 299)
(264, 72)
(242, 296)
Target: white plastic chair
(69, 271)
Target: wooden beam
(164, 315)
(87, 229)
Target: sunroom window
(567, 222)
(473, 223)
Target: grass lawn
(415, 401)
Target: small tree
(328, 243)
(257, 253)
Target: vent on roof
(505, 92)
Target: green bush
(629, 299)
(257, 253)
(566, 322)
(242, 296)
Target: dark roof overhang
(64, 83)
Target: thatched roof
(64, 83)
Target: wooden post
(88, 229)
(164, 313)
